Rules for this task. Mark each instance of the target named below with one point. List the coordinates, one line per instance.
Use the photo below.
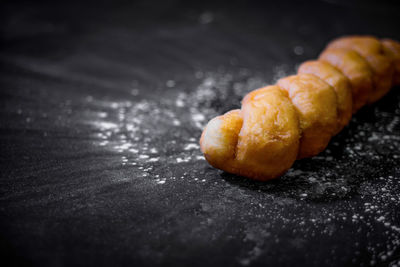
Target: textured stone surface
(101, 110)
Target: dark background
(101, 107)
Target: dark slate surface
(101, 109)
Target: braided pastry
(297, 117)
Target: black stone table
(102, 106)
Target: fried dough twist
(297, 117)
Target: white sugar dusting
(136, 128)
(185, 159)
(191, 146)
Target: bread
(297, 117)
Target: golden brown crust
(391, 49)
(316, 104)
(371, 50)
(219, 140)
(340, 84)
(298, 117)
(264, 150)
(356, 69)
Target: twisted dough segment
(297, 117)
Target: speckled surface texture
(101, 109)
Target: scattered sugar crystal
(380, 219)
(191, 146)
(179, 160)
